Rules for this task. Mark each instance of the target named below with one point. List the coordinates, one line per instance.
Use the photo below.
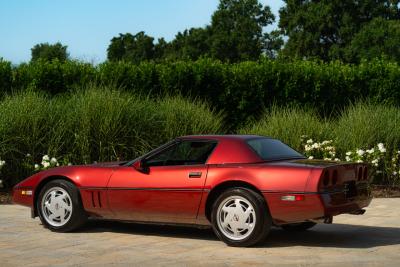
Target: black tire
(298, 227)
(263, 219)
(78, 215)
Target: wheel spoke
(236, 217)
(57, 206)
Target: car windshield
(272, 149)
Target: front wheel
(60, 207)
(240, 217)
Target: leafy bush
(289, 124)
(92, 124)
(53, 76)
(241, 90)
(5, 77)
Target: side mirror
(140, 166)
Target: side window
(183, 153)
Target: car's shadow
(334, 235)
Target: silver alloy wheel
(56, 206)
(236, 218)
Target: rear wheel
(298, 227)
(60, 207)
(240, 217)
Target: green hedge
(242, 90)
(5, 76)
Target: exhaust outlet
(358, 212)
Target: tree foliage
(322, 29)
(133, 48)
(48, 52)
(237, 29)
(236, 33)
(378, 38)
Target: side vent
(96, 199)
(93, 204)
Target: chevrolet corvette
(240, 185)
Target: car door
(169, 191)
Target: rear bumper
(346, 200)
(316, 205)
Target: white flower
(359, 161)
(370, 151)
(58, 164)
(379, 172)
(46, 164)
(45, 158)
(28, 155)
(310, 157)
(348, 158)
(36, 166)
(69, 164)
(336, 159)
(307, 148)
(348, 153)
(398, 152)
(360, 152)
(381, 148)
(1, 183)
(326, 142)
(315, 145)
(53, 161)
(375, 161)
(327, 159)
(2, 163)
(310, 141)
(394, 173)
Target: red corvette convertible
(240, 184)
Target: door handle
(194, 174)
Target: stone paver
(372, 239)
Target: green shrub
(289, 124)
(5, 77)
(53, 76)
(93, 124)
(365, 125)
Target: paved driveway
(369, 240)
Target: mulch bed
(5, 198)
(378, 191)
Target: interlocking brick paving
(372, 239)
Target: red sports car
(240, 184)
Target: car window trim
(179, 140)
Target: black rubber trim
(145, 189)
(302, 193)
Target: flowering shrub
(2, 163)
(324, 150)
(46, 163)
(375, 157)
(394, 168)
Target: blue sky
(87, 26)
